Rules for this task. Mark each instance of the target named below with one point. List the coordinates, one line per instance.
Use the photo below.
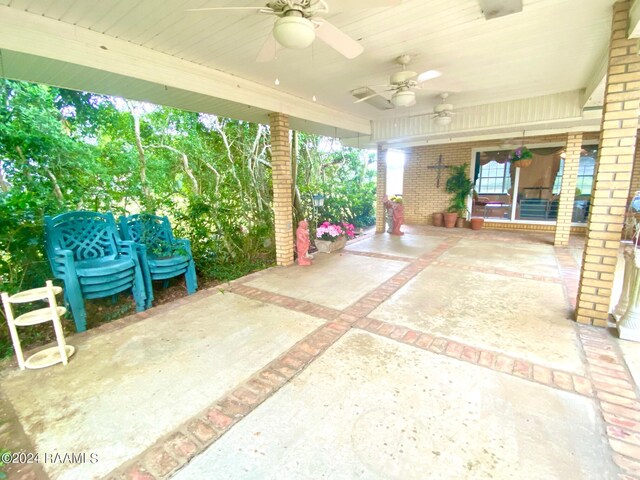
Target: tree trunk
(141, 156)
(4, 186)
(295, 193)
(185, 164)
(56, 188)
(217, 174)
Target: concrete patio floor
(442, 354)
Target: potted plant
(521, 157)
(450, 218)
(460, 186)
(476, 223)
(333, 236)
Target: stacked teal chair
(161, 255)
(86, 252)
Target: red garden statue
(302, 243)
(395, 213)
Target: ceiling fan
(403, 84)
(299, 22)
(443, 112)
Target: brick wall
(635, 176)
(533, 227)
(613, 172)
(421, 197)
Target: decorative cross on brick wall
(439, 167)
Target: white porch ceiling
(553, 46)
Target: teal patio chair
(85, 251)
(161, 255)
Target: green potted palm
(460, 186)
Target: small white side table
(52, 313)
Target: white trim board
(43, 37)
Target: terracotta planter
(437, 219)
(476, 223)
(450, 219)
(325, 246)
(523, 163)
(459, 222)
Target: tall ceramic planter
(438, 219)
(326, 246)
(450, 219)
(629, 324)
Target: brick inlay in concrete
(606, 381)
(372, 407)
(522, 317)
(173, 451)
(617, 396)
(147, 378)
(486, 358)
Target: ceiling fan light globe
(443, 120)
(442, 107)
(403, 98)
(294, 32)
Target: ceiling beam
(40, 36)
(595, 82)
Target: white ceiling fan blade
(337, 39)
(364, 99)
(268, 50)
(210, 9)
(371, 96)
(428, 75)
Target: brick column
(635, 176)
(381, 189)
(281, 177)
(613, 172)
(568, 189)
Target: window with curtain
(557, 183)
(494, 178)
(586, 170)
(584, 183)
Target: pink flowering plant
(522, 153)
(333, 231)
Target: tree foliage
(63, 150)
